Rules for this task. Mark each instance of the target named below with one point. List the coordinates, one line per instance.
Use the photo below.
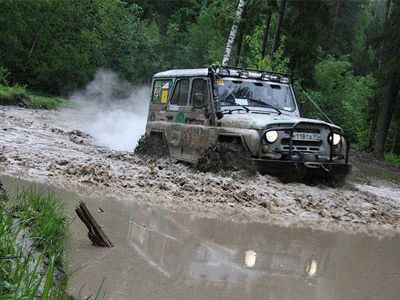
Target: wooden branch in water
(96, 234)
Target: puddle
(164, 255)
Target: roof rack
(254, 73)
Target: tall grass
(18, 93)
(43, 213)
(32, 270)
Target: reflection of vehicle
(193, 109)
(195, 252)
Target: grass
(33, 231)
(44, 215)
(35, 271)
(389, 176)
(19, 94)
(392, 159)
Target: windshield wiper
(266, 104)
(235, 109)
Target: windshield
(255, 93)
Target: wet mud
(56, 147)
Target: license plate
(306, 136)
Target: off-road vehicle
(193, 109)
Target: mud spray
(113, 111)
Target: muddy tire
(153, 146)
(225, 156)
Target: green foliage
(8, 92)
(45, 214)
(305, 34)
(19, 95)
(206, 39)
(4, 73)
(367, 180)
(392, 159)
(342, 96)
(279, 63)
(136, 47)
(58, 44)
(46, 102)
(26, 273)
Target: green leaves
(57, 45)
(342, 96)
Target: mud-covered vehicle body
(192, 109)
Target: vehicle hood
(259, 121)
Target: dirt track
(56, 147)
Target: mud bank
(56, 147)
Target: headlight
(271, 136)
(336, 139)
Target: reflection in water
(197, 258)
(165, 255)
(312, 268)
(250, 257)
(259, 260)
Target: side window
(199, 96)
(181, 92)
(161, 88)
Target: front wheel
(225, 156)
(153, 146)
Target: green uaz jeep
(191, 110)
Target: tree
(135, 53)
(305, 36)
(232, 35)
(58, 45)
(272, 6)
(389, 74)
(342, 96)
(278, 28)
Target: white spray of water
(115, 113)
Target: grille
(303, 145)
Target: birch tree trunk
(239, 43)
(232, 35)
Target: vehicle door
(187, 114)
(176, 112)
(197, 120)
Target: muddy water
(159, 254)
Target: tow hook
(316, 165)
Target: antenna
(314, 102)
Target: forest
(344, 54)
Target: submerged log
(96, 234)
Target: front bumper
(285, 167)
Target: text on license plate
(306, 136)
